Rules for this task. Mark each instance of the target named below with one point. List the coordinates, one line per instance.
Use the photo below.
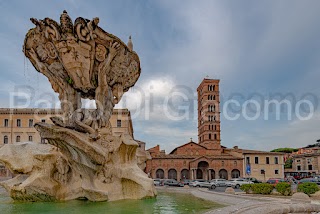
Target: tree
(285, 150)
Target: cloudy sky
(262, 51)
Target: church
(208, 159)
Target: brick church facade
(206, 159)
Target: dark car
(172, 182)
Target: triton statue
(84, 159)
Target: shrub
(284, 188)
(308, 188)
(262, 188)
(246, 188)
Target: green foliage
(246, 187)
(284, 188)
(288, 163)
(285, 150)
(70, 81)
(261, 188)
(308, 188)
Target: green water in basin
(165, 203)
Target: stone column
(165, 173)
(209, 174)
(178, 175)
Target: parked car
(254, 180)
(311, 180)
(217, 183)
(156, 182)
(186, 181)
(162, 181)
(199, 183)
(274, 181)
(237, 182)
(172, 182)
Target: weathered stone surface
(229, 190)
(300, 197)
(84, 159)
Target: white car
(219, 182)
(156, 182)
(199, 183)
(237, 182)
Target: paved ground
(247, 204)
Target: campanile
(209, 113)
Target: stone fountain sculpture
(82, 158)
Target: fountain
(82, 159)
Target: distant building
(263, 165)
(17, 125)
(208, 159)
(306, 164)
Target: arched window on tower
(215, 136)
(214, 97)
(213, 88)
(214, 108)
(209, 136)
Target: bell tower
(209, 113)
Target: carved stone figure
(83, 159)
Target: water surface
(165, 203)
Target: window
(298, 161)
(5, 139)
(276, 160)
(256, 160)
(267, 160)
(299, 168)
(43, 120)
(209, 136)
(262, 172)
(309, 160)
(276, 172)
(30, 122)
(215, 136)
(248, 160)
(309, 167)
(118, 123)
(18, 123)
(6, 123)
(30, 138)
(18, 138)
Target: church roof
(191, 142)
